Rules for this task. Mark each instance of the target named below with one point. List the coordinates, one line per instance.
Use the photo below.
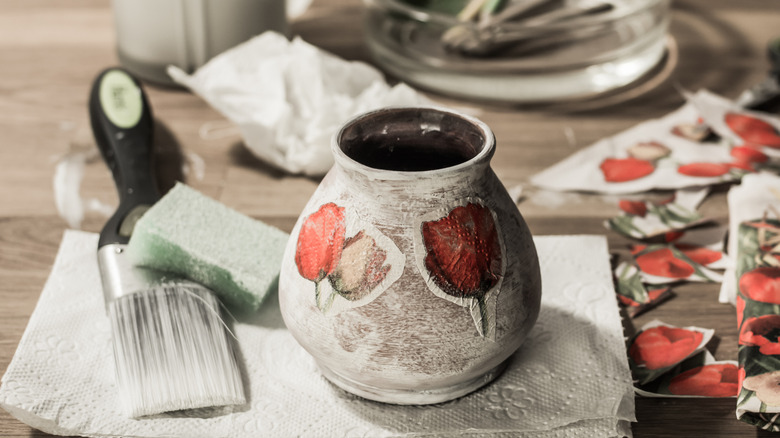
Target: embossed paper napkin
(571, 378)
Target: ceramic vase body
(411, 276)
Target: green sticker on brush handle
(120, 98)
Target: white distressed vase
(411, 276)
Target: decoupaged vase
(411, 276)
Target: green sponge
(203, 240)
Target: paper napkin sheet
(571, 377)
(675, 151)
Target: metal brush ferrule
(120, 277)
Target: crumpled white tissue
(571, 377)
(288, 98)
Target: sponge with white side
(201, 239)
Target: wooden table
(50, 52)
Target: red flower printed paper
(766, 386)
(761, 284)
(761, 332)
(748, 155)
(697, 132)
(742, 165)
(700, 254)
(753, 130)
(636, 208)
(704, 169)
(714, 380)
(662, 347)
(625, 169)
(740, 310)
(463, 255)
(663, 263)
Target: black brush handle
(123, 126)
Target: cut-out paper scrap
(712, 238)
(633, 294)
(645, 220)
(698, 376)
(659, 347)
(753, 136)
(673, 152)
(670, 263)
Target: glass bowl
(525, 61)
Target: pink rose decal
(361, 268)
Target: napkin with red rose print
(570, 378)
(669, 361)
(758, 319)
(691, 255)
(756, 196)
(634, 294)
(698, 376)
(754, 136)
(679, 150)
(657, 348)
(643, 220)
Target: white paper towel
(289, 98)
(571, 378)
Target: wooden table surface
(50, 51)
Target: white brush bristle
(172, 351)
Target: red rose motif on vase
(625, 169)
(761, 284)
(463, 255)
(663, 263)
(714, 380)
(704, 169)
(762, 332)
(361, 267)
(662, 346)
(753, 130)
(320, 243)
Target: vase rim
(483, 155)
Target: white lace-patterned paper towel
(570, 379)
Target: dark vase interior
(411, 139)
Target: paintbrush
(172, 349)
